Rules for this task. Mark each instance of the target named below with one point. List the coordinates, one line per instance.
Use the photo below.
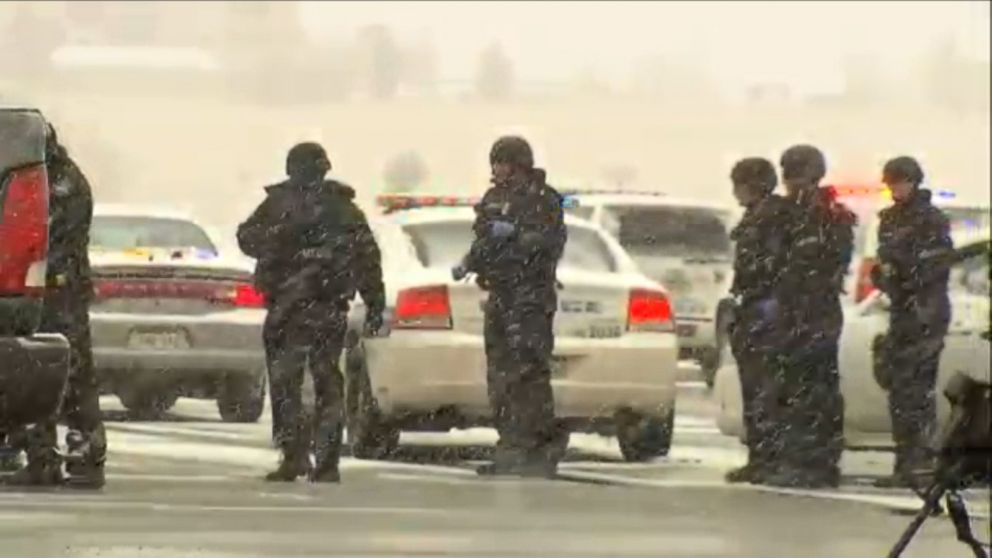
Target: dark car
(33, 367)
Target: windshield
(444, 244)
(126, 233)
(670, 231)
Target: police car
(866, 415)
(614, 365)
(173, 317)
(682, 243)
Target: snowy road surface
(189, 485)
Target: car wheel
(369, 436)
(145, 402)
(242, 398)
(643, 438)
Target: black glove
(373, 324)
(459, 272)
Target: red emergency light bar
(395, 202)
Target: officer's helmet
(307, 159)
(803, 163)
(756, 173)
(512, 150)
(902, 169)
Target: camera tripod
(946, 485)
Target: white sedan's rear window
(443, 245)
(126, 233)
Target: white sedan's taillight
(649, 311)
(423, 308)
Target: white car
(615, 346)
(866, 415)
(682, 243)
(173, 317)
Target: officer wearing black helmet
(760, 244)
(314, 250)
(519, 238)
(809, 400)
(914, 256)
(66, 310)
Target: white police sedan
(616, 349)
(171, 316)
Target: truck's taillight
(423, 308)
(864, 286)
(649, 311)
(24, 232)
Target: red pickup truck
(33, 367)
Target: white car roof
(132, 210)
(648, 200)
(433, 214)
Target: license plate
(605, 331)
(685, 330)
(159, 340)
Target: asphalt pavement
(190, 485)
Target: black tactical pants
(756, 367)
(297, 336)
(519, 344)
(810, 408)
(66, 312)
(912, 357)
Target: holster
(881, 352)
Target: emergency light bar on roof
(882, 191)
(396, 202)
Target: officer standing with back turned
(314, 250)
(760, 244)
(809, 402)
(914, 257)
(519, 238)
(66, 310)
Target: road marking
(163, 507)
(167, 429)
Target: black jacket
(70, 216)
(526, 259)
(761, 247)
(915, 253)
(312, 242)
(820, 249)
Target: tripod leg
(962, 525)
(930, 503)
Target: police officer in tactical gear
(809, 401)
(756, 331)
(519, 238)
(314, 250)
(66, 310)
(914, 256)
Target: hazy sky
(800, 43)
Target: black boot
(294, 464)
(506, 462)
(750, 473)
(85, 456)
